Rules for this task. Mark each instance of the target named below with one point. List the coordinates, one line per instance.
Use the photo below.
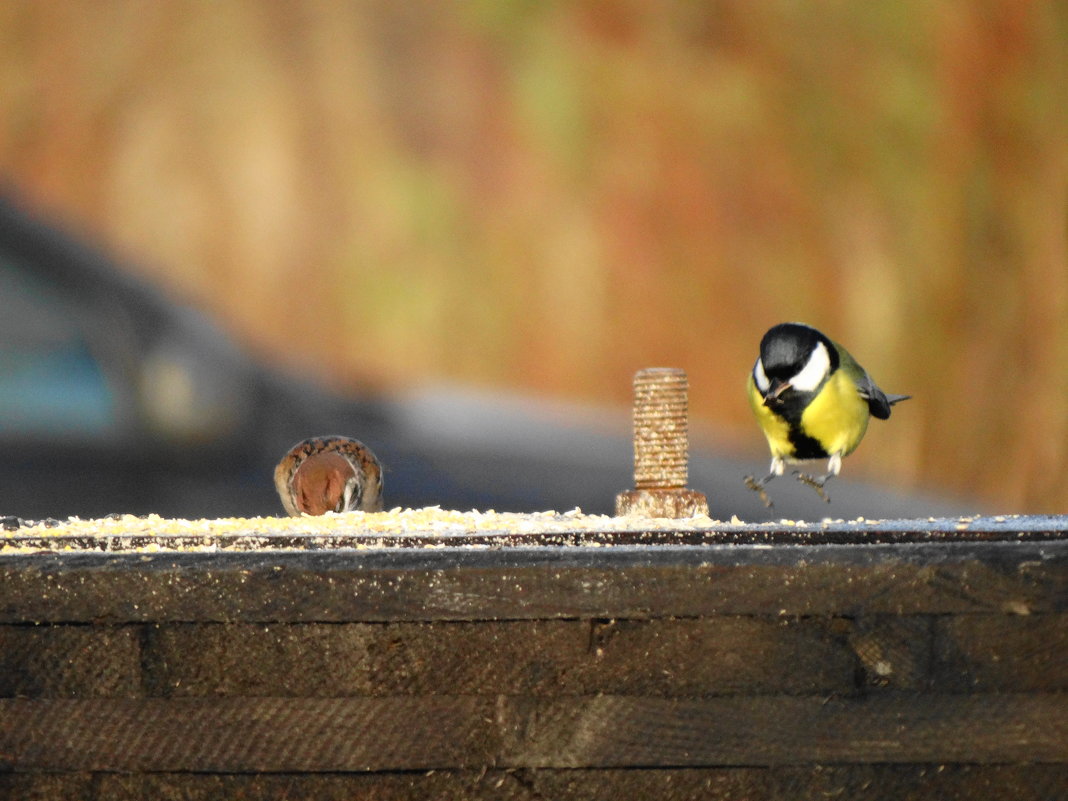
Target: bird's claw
(758, 488)
(815, 483)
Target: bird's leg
(834, 465)
(816, 482)
(757, 486)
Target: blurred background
(539, 198)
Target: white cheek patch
(760, 378)
(814, 371)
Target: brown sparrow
(329, 474)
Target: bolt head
(670, 503)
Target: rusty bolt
(661, 448)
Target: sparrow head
(329, 474)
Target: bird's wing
(879, 402)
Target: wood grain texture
(617, 732)
(1006, 653)
(802, 783)
(805, 783)
(909, 670)
(248, 734)
(70, 661)
(383, 734)
(458, 583)
(669, 657)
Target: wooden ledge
(478, 567)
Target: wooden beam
(448, 732)
(467, 582)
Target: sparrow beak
(771, 397)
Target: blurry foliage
(550, 195)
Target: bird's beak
(771, 397)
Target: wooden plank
(248, 734)
(663, 657)
(357, 734)
(613, 731)
(49, 787)
(152, 536)
(1007, 653)
(70, 661)
(536, 583)
(806, 783)
(803, 783)
(677, 657)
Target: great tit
(812, 401)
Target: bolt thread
(661, 435)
